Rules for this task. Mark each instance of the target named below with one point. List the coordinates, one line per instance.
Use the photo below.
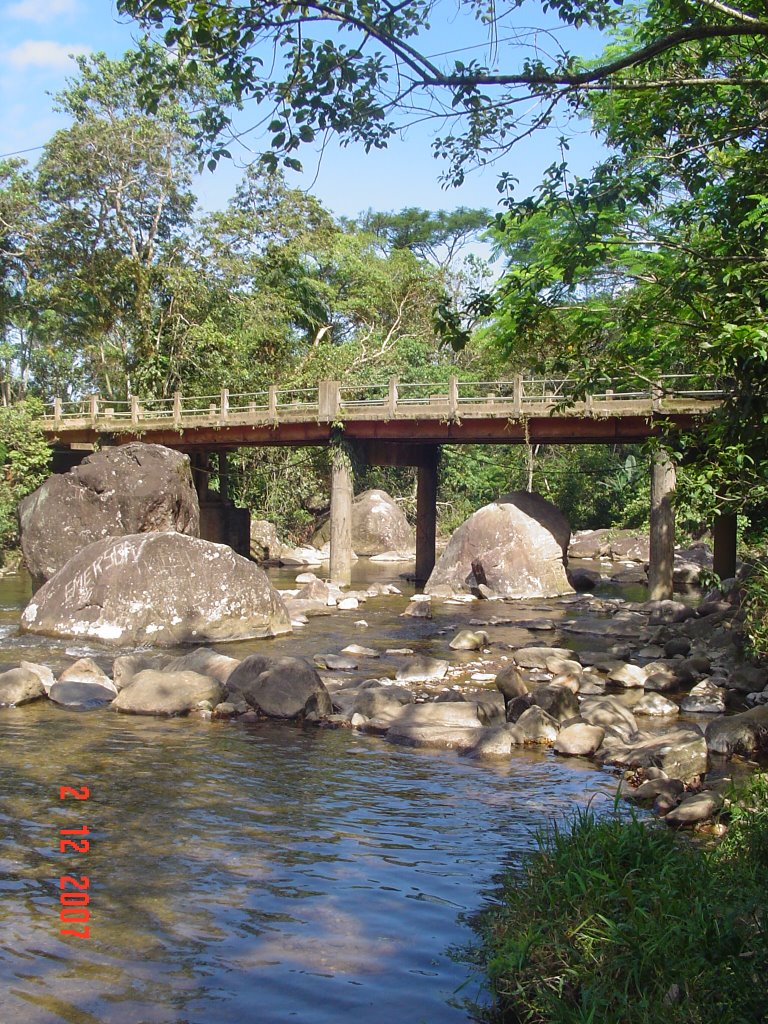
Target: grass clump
(624, 922)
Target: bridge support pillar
(224, 475)
(426, 513)
(201, 470)
(340, 567)
(662, 554)
(724, 536)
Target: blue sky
(37, 37)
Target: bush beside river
(617, 920)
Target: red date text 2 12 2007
(74, 896)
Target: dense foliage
(24, 459)
(621, 920)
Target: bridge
(398, 423)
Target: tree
(18, 232)
(435, 235)
(24, 458)
(655, 263)
(364, 69)
(114, 195)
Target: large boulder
(135, 488)
(378, 525)
(158, 588)
(280, 687)
(513, 548)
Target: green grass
(624, 922)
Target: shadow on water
(258, 873)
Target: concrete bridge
(402, 424)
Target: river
(259, 873)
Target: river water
(259, 873)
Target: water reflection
(264, 873)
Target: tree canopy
(363, 69)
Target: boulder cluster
(625, 554)
(617, 702)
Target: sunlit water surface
(256, 873)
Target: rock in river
(167, 693)
(514, 548)
(158, 588)
(378, 525)
(133, 488)
(19, 686)
(280, 687)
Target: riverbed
(262, 873)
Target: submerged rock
(422, 669)
(160, 588)
(441, 724)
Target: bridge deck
(503, 413)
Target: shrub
(624, 922)
(24, 459)
(755, 607)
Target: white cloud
(41, 11)
(42, 53)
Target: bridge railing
(332, 401)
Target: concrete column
(724, 534)
(200, 473)
(662, 553)
(340, 568)
(453, 397)
(224, 475)
(426, 514)
(392, 398)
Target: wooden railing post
(272, 401)
(657, 394)
(392, 402)
(93, 407)
(453, 397)
(224, 404)
(177, 408)
(57, 412)
(517, 395)
(134, 410)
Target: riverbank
(613, 920)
